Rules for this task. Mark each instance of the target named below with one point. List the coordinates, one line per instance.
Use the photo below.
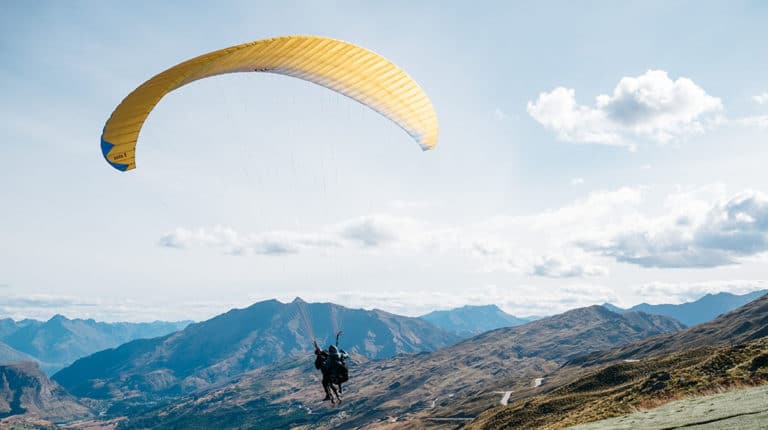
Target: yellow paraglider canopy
(345, 68)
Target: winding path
(505, 397)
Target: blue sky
(588, 152)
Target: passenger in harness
(336, 365)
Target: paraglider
(332, 364)
(345, 68)
(340, 66)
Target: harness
(332, 362)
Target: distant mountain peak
(471, 320)
(487, 307)
(706, 308)
(588, 310)
(612, 308)
(743, 324)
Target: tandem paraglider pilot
(332, 364)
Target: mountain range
(240, 340)
(408, 386)
(749, 322)
(60, 341)
(702, 310)
(253, 367)
(468, 321)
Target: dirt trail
(504, 397)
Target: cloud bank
(373, 231)
(232, 242)
(699, 228)
(721, 234)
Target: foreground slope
(730, 351)
(624, 387)
(745, 409)
(240, 340)
(412, 388)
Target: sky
(589, 152)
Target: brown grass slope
(729, 351)
(623, 388)
(743, 409)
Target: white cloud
(702, 228)
(647, 107)
(486, 249)
(558, 111)
(499, 114)
(577, 181)
(373, 231)
(693, 234)
(542, 244)
(232, 242)
(490, 243)
(761, 98)
(594, 212)
(184, 238)
(556, 267)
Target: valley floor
(745, 409)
